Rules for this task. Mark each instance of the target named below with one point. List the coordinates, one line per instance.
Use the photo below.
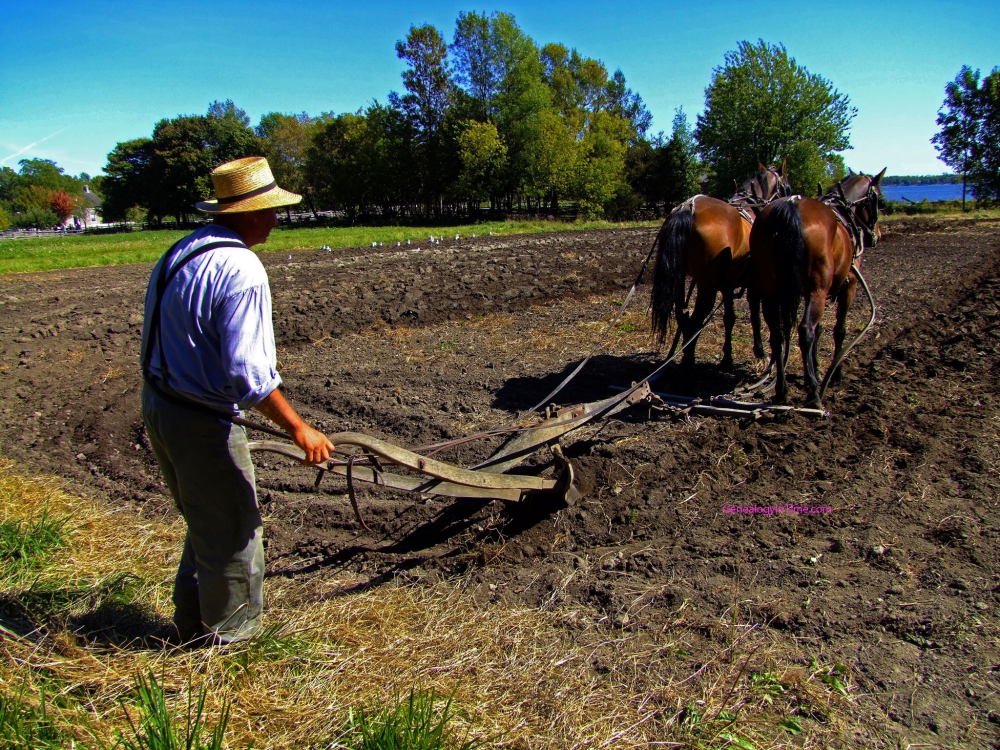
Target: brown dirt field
(900, 582)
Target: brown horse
(708, 240)
(804, 247)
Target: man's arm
(313, 442)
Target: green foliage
(4, 219)
(24, 727)
(416, 723)
(759, 106)
(969, 122)
(160, 728)
(986, 175)
(168, 173)
(35, 218)
(484, 159)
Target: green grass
(160, 728)
(27, 544)
(78, 251)
(23, 726)
(412, 724)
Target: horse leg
(808, 344)
(845, 298)
(753, 300)
(729, 317)
(703, 305)
(772, 316)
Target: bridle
(753, 196)
(859, 217)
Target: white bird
(407, 242)
(473, 235)
(456, 238)
(491, 234)
(289, 257)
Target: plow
(366, 459)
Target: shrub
(36, 218)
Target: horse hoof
(727, 363)
(758, 352)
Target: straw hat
(245, 185)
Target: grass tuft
(159, 728)
(416, 723)
(27, 544)
(24, 727)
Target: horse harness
(845, 213)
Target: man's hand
(316, 445)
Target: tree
(62, 204)
(429, 91)
(986, 174)
(42, 172)
(959, 120)
(759, 105)
(127, 182)
(228, 133)
(484, 158)
(285, 140)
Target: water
(917, 193)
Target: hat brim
(273, 198)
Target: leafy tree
(959, 120)
(484, 157)
(127, 182)
(42, 172)
(228, 133)
(62, 204)
(8, 181)
(179, 173)
(285, 140)
(761, 103)
(986, 176)
(429, 89)
(628, 105)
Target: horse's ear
(760, 164)
(783, 167)
(878, 178)
(819, 189)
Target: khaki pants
(218, 591)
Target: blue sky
(77, 78)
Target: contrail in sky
(32, 145)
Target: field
(78, 251)
(645, 614)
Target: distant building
(91, 205)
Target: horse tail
(671, 269)
(785, 223)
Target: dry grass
(523, 678)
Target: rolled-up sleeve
(247, 339)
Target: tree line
(493, 123)
(40, 195)
(969, 137)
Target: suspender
(166, 275)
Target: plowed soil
(900, 581)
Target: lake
(917, 193)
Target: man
(207, 354)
